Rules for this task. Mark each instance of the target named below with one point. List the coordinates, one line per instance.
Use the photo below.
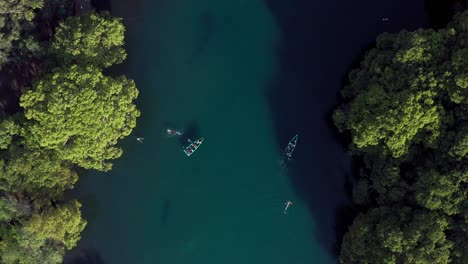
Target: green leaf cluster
(15, 17)
(43, 237)
(37, 173)
(405, 109)
(390, 236)
(73, 115)
(92, 39)
(80, 113)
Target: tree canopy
(93, 39)
(442, 191)
(80, 113)
(8, 129)
(38, 173)
(391, 236)
(43, 237)
(15, 15)
(400, 94)
(72, 114)
(63, 224)
(405, 109)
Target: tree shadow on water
(165, 211)
(441, 11)
(191, 132)
(321, 42)
(300, 103)
(101, 5)
(84, 256)
(208, 28)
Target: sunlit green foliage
(81, 114)
(94, 39)
(63, 224)
(392, 119)
(398, 94)
(8, 129)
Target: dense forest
(405, 110)
(58, 112)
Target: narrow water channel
(246, 75)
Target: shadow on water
(208, 27)
(441, 11)
(322, 42)
(84, 256)
(90, 212)
(102, 5)
(192, 132)
(165, 211)
(317, 177)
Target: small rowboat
(288, 151)
(190, 149)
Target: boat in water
(173, 132)
(288, 151)
(190, 149)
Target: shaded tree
(15, 15)
(459, 235)
(8, 208)
(41, 174)
(406, 110)
(398, 235)
(94, 39)
(443, 191)
(42, 238)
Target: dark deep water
(319, 49)
(260, 71)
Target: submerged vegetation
(58, 112)
(405, 109)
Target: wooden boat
(288, 151)
(190, 149)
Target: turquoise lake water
(219, 70)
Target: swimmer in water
(140, 139)
(288, 203)
(173, 132)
